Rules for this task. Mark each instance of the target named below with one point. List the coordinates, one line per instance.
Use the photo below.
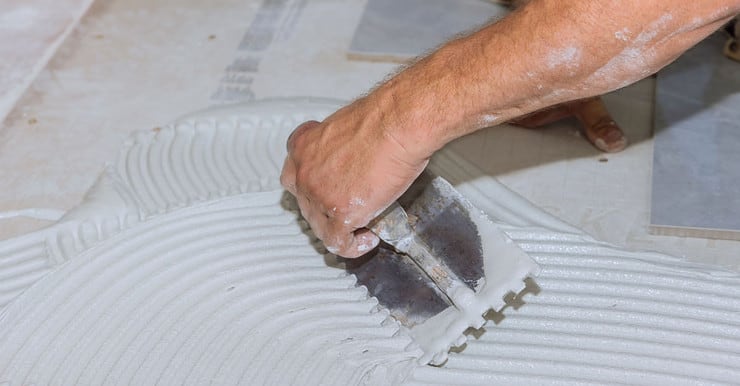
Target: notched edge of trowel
(418, 305)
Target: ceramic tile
(696, 173)
(402, 29)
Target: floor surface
(137, 64)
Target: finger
(337, 233)
(317, 220)
(354, 244)
(365, 241)
(348, 241)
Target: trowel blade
(460, 236)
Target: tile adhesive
(186, 264)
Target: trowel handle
(392, 225)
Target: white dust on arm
(623, 34)
(568, 57)
(488, 120)
(636, 60)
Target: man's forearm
(345, 170)
(546, 52)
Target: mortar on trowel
(441, 265)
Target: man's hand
(344, 172)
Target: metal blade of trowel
(442, 265)
(394, 228)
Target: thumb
(355, 244)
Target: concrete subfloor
(136, 64)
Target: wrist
(421, 106)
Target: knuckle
(283, 179)
(287, 176)
(298, 134)
(288, 185)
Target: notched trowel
(441, 266)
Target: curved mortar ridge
(198, 157)
(603, 315)
(173, 272)
(22, 263)
(203, 292)
(154, 173)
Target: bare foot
(598, 125)
(600, 128)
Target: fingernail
(367, 243)
(331, 249)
